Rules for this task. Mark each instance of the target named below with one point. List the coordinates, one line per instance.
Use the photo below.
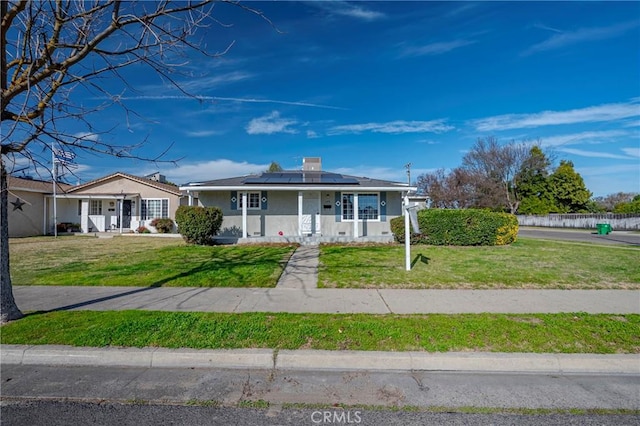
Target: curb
(267, 359)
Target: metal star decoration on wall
(17, 204)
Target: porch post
(190, 198)
(355, 215)
(121, 215)
(300, 213)
(244, 215)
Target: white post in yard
(355, 216)
(244, 215)
(407, 234)
(300, 204)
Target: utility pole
(408, 167)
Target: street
(64, 413)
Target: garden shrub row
(465, 227)
(198, 225)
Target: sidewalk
(297, 292)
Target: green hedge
(198, 225)
(467, 227)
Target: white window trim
(143, 200)
(239, 200)
(355, 213)
(98, 203)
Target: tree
(50, 49)
(496, 170)
(609, 202)
(569, 190)
(274, 167)
(454, 190)
(533, 186)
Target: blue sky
(371, 86)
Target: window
(253, 201)
(95, 207)
(154, 208)
(367, 206)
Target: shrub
(164, 226)
(142, 230)
(198, 224)
(467, 227)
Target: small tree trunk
(8, 309)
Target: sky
(372, 86)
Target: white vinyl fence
(619, 222)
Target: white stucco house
(119, 202)
(302, 205)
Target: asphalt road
(230, 387)
(624, 238)
(53, 413)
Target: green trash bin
(603, 228)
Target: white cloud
(270, 124)
(186, 172)
(202, 133)
(436, 48)
(393, 127)
(87, 136)
(567, 38)
(226, 99)
(632, 152)
(583, 137)
(599, 113)
(311, 134)
(349, 10)
(593, 154)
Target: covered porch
(92, 213)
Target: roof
(161, 186)
(291, 180)
(34, 185)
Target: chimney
(312, 164)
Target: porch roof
(105, 196)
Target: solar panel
(302, 177)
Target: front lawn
(143, 261)
(528, 263)
(540, 333)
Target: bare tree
(496, 169)
(52, 48)
(453, 190)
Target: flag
(64, 157)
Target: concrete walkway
(308, 300)
(302, 269)
(297, 292)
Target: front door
(310, 223)
(126, 214)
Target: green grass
(540, 333)
(139, 261)
(528, 263)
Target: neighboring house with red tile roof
(118, 202)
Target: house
(118, 202)
(26, 209)
(302, 205)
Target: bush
(164, 226)
(468, 227)
(142, 230)
(198, 225)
